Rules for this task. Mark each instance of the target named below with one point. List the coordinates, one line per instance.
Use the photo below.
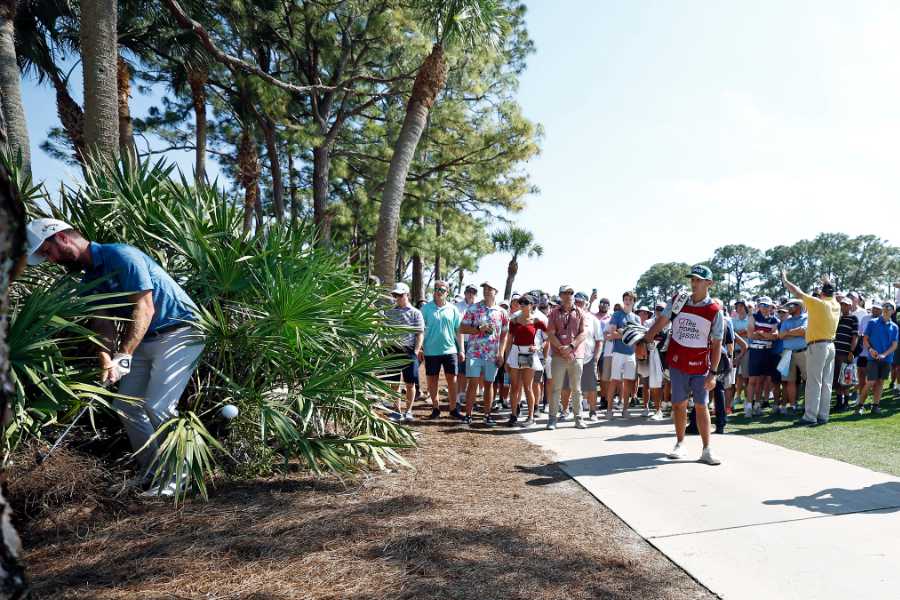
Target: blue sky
(676, 127)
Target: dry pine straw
(483, 514)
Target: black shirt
(848, 326)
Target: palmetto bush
(292, 334)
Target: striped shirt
(848, 326)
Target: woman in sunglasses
(522, 357)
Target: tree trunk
(126, 130)
(70, 115)
(13, 583)
(268, 128)
(429, 82)
(11, 87)
(418, 277)
(511, 271)
(248, 174)
(462, 275)
(321, 214)
(99, 50)
(293, 176)
(258, 211)
(197, 80)
(438, 232)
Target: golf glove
(121, 366)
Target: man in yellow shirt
(824, 313)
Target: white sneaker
(748, 409)
(609, 414)
(527, 424)
(708, 458)
(160, 491)
(579, 424)
(677, 452)
(657, 416)
(409, 416)
(646, 412)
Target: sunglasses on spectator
(440, 289)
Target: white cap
(400, 288)
(39, 230)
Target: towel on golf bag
(656, 370)
(784, 365)
(848, 374)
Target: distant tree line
(865, 263)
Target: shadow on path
(837, 501)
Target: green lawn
(871, 441)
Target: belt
(819, 342)
(165, 330)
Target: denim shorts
(683, 385)
(476, 367)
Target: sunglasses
(658, 309)
(440, 289)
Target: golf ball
(229, 411)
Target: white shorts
(512, 361)
(624, 367)
(643, 368)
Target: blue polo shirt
(881, 335)
(794, 343)
(133, 271)
(620, 319)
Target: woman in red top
(522, 358)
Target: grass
(869, 441)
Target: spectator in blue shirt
(792, 335)
(879, 342)
(154, 357)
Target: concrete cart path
(767, 523)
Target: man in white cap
(158, 351)
(409, 345)
(487, 325)
(470, 297)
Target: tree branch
(232, 62)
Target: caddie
(159, 349)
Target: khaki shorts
(606, 370)
(798, 362)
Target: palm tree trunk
(511, 271)
(248, 173)
(294, 178)
(99, 50)
(70, 115)
(197, 80)
(429, 82)
(126, 129)
(418, 277)
(321, 214)
(13, 582)
(268, 128)
(11, 87)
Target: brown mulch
(483, 514)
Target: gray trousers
(559, 367)
(160, 370)
(819, 377)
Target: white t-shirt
(604, 322)
(863, 317)
(594, 335)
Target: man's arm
(658, 325)
(106, 329)
(141, 316)
(715, 353)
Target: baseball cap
(37, 232)
(793, 302)
(644, 308)
(853, 295)
(604, 301)
(764, 301)
(701, 272)
(887, 304)
(400, 288)
(846, 300)
(566, 288)
(581, 296)
(660, 305)
(526, 299)
(504, 303)
(471, 287)
(488, 284)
